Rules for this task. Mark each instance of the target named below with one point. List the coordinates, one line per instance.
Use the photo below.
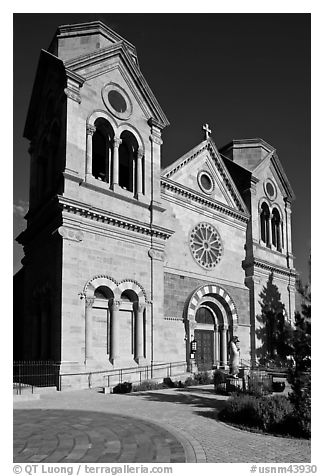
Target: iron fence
(133, 374)
(30, 374)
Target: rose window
(205, 245)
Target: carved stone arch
(207, 298)
(100, 113)
(134, 286)
(215, 291)
(266, 201)
(125, 126)
(101, 280)
(277, 206)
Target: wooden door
(205, 349)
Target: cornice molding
(265, 265)
(218, 163)
(185, 192)
(120, 49)
(113, 219)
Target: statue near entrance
(234, 356)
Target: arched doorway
(211, 319)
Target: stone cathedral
(127, 263)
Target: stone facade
(126, 264)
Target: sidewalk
(173, 425)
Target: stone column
(88, 327)
(139, 172)
(117, 143)
(156, 142)
(90, 131)
(270, 230)
(288, 233)
(139, 332)
(217, 347)
(114, 330)
(224, 345)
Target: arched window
(129, 296)
(264, 221)
(101, 320)
(204, 316)
(127, 161)
(102, 150)
(276, 229)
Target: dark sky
(246, 75)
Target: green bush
(147, 385)
(301, 400)
(265, 413)
(273, 412)
(189, 382)
(203, 378)
(219, 377)
(124, 387)
(259, 385)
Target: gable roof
(209, 145)
(120, 49)
(255, 162)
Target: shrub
(147, 385)
(219, 377)
(124, 387)
(220, 382)
(241, 409)
(203, 378)
(259, 384)
(273, 412)
(265, 413)
(301, 400)
(168, 382)
(189, 382)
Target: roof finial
(205, 128)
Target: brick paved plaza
(171, 425)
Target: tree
(274, 333)
(299, 376)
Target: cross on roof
(207, 130)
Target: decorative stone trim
(203, 200)
(269, 267)
(70, 233)
(134, 285)
(193, 302)
(226, 178)
(205, 245)
(117, 287)
(114, 220)
(73, 84)
(173, 319)
(156, 254)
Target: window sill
(118, 192)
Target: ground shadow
(200, 398)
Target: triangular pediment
(271, 168)
(202, 170)
(117, 56)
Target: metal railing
(133, 374)
(30, 374)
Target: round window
(270, 189)
(205, 245)
(117, 101)
(205, 182)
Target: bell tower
(95, 129)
